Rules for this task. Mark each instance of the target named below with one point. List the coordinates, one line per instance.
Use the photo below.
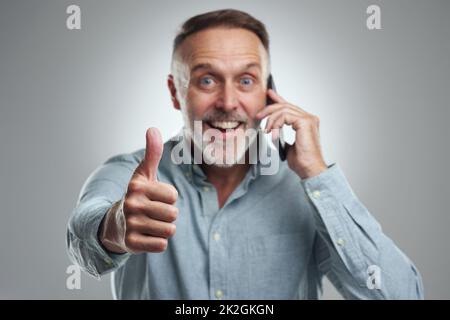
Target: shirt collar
(194, 172)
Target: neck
(225, 177)
(225, 180)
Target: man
(221, 229)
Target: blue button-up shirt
(275, 238)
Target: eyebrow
(208, 66)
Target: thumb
(153, 152)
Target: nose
(228, 100)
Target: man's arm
(350, 247)
(105, 187)
(123, 209)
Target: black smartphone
(281, 143)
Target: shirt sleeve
(350, 246)
(102, 189)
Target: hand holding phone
(281, 145)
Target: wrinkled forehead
(223, 48)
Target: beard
(223, 138)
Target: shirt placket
(217, 237)
(217, 252)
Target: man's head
(220, 66)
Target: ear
(173, 92)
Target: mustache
(219, 115)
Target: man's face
(221, 81)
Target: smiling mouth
(223, 126)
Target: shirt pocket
(276, 263)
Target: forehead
(223, 46)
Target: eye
(246, 81)
(206, 81)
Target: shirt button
(316, 194)
(340, 242)
(219, 294)
(216, 236)
(206, 189)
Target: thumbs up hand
(148, 207)
(153, 152)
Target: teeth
(225, 124)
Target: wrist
(112, 229)
(311, 171)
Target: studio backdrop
(73, 93)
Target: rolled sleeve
(102, 189)
(83, 244)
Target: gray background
(71, 99)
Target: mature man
(221, 229)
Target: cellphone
(281, 143)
